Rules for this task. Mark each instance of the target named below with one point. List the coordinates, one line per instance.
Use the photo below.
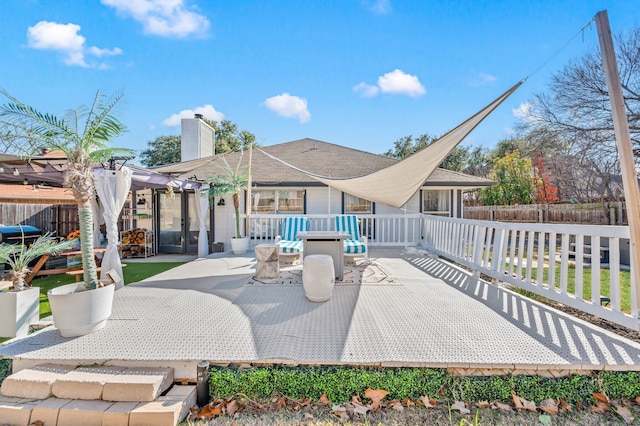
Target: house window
(436, 202)
(353, 204)
(276, 201)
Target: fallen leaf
(638, 400)
(624, 413)
(565, 406)
(600, 407)
(517, 400)
(232, 407)
(545, 419)
(375, 395)
(355, 399)
(208, 412)
(549, 406)
(530, 405)
(501, 406)
(601, 397)
(460, 406)
(303, 402)
(482, 404)
(324, 400)
(408, 402)
(308, 416)
(340, 411)
(281, 403)
(360, 409)
(428, 401)
(397, 407)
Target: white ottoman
(318, 277)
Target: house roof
(35, 194)
(314, 156)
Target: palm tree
(230, 181)
(18, 256)
(83, 135)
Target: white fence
(570, 264)
(381, 230)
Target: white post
(623, 140)
(248, 198)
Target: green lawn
(133, 272)
(605, 283)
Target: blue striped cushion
(292, 225)
(354, 246)
(349, 224)
(290, 246)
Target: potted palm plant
(83, 135)
(20, 306)
(230, 181)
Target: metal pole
(625, 152)
(202, 384)
(248, 200)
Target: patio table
(326, 242)
(37, 271)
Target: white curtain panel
(112, 187)
(203, 206)
(98, 219)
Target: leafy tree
(545, 191)
(515, 181)
(83, 135)
(406, 145)
(161, 150)
(576, 107)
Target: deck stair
(88, 395)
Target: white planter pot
(18, 310)
(80, 313)
(240, 245)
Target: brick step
(168, 410)
(116, 384)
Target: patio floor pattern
(432, 314)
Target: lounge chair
(356, 246)
(288, 242)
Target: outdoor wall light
(25, 181)
(221, 202)
(16, 172)
(1, 169)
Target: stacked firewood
(133, 242)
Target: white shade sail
(112, 187)
(396, 184)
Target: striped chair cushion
(348, 223)
(354, 246)
(292, 225)
(290, 246)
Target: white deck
(427, 313)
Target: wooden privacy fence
(60, 219)
(610, 213)
(560, 262)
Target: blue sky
(359, 73)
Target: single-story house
(278, 189)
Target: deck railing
(380, 229)
(576, 265)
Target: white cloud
(482, 79)
(399, 83)
(65, 38)
(165, 18)
(207, 111)
(379, 7)
(527, 112)
(395, 82)
(366, 91)
(286, 105)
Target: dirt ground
(321, 416)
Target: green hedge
(341, 383)
(5, 369)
